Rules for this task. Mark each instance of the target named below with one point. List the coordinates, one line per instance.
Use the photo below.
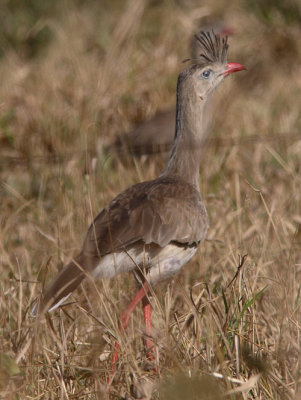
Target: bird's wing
(160, 211)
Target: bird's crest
(212, 47)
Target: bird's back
(159, 211)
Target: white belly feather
(160, 263)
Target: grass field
(75, 74)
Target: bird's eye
(206, 74)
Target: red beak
(233, 67)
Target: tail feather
(62, 286)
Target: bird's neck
(184, 160)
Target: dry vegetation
(73, 76)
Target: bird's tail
(61, 287)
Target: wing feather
(160, 211)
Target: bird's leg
(124, 321)
(148, 328)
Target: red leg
(151, 352)
(124, 321)
(148, 326)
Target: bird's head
(211, 66)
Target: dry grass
(228, 326)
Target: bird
(156, 134)
(153, 228)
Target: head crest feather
(213, 48)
